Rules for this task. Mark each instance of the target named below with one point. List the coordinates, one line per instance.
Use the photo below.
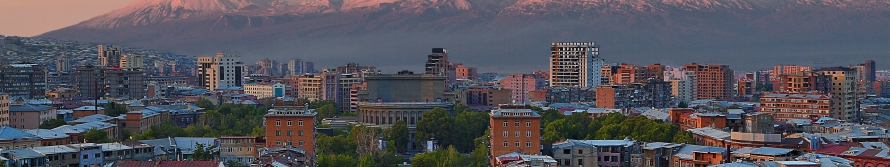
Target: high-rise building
(606, 74)
(437, 64)
(811, 106)
(130, 61)
(803, 82)
(109, 56)
(575, 64)
(310, 87)
(23, 80)
(344, 93)
(4, 109)
(482, 96)
(632, 95)
(63, 65)
(521, 84)
(125, 83)
(515, 129)
(844, 92)
(308, 67)
(465, 72)
(291, 128)
(869, 70)
(90, 81)
(222, 70)
(712, 81)
(779, 70)
(295, 67)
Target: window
(277, 132)
(528, 144)
(516, 143)
(288, 122)
(97, 155)
(528, 123)
(528, 133)
(300, 133)
(516, 133)
(85, 156)
(277, 122)
(290, 133)
(505, 145)
(289, 143)
(580, 162)
(580, 151)
(506, 133)
(506, 124)
(566, 151)
(300, 143)
(277, 142)
(300, 123)
(516, 123)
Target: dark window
(566, 151)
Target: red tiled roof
(165, 163)
(833, 150)
(870, 153)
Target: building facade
(844, 92)
(23, 80)
(90, 81)
(437, 64)
(27, 116)
(109, 56)
(125, 83)
(515, 129)
(712, 81)
(265, 90)
(575, 64)
(222, 70)
(130, 61)
(291, 128)
(803, 82)
(521, 84)
(796, 106)
(4, 109)
(632, 95)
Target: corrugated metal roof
(9, 133)
(47, 134)
(28, 108)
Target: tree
(336, 160)
(682, 104)
(53, 123)
(334, 145)
(441, 158)
(113, 109)
(206, 104)
(436, 123)
(479, 156)
(96, 136)
(326, 111)
(202, 152)
(887, 107)
(684, 137)
(398, 135)
(235, 163)
(468, 126)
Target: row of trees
(359, 146)
(614, 126)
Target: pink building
(465, 72)
(521, 84)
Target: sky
(34, 17)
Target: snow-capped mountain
(700, 28)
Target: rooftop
(9, 133)
(710, 132)
(47, 134)
(28, 108)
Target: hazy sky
(34, 17)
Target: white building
(265, 90)
(129, 61)
(683, 88)
(295, 67)
(575, 64)
(222, 70)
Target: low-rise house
(50, 137)
(574, 153)
(11, 138)
(77, 132)
(84, 111)
(243, 149)
(28, 116)
(183, 114)
(178, 147)
(140, 121)
(89, 154)
(761, 154)
(115, 152)
(283, 157)
(657, 154)
(59, 155)
(24, 157)
(141, 151)
(695, 155)
(524, 160)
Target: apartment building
(575, 64)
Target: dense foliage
(53, 123)
(458, 130)
(96, 136)
(615, 126)
(114, 109)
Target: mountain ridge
(279, 28)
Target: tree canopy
(614, 126)
(53, 123)
(96, 136)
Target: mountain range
(504, 35)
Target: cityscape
(572, 103)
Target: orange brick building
(686, 118)
(784, 107)
(291, 127)
(802, 82)
(713, 81)
(515, 128)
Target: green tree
(479, 156)
(449, 157)
(53, 123)
(96, 136)
(206, 104)
(398, 134)
(334, 145)
(235, 163)
(682, 104)
(438, 124)
(887, 107)
(326, 111)
(113, 109)
(203, 153)
(684, 137)
(336, 160)
(468, 126)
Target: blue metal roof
(9, 133)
